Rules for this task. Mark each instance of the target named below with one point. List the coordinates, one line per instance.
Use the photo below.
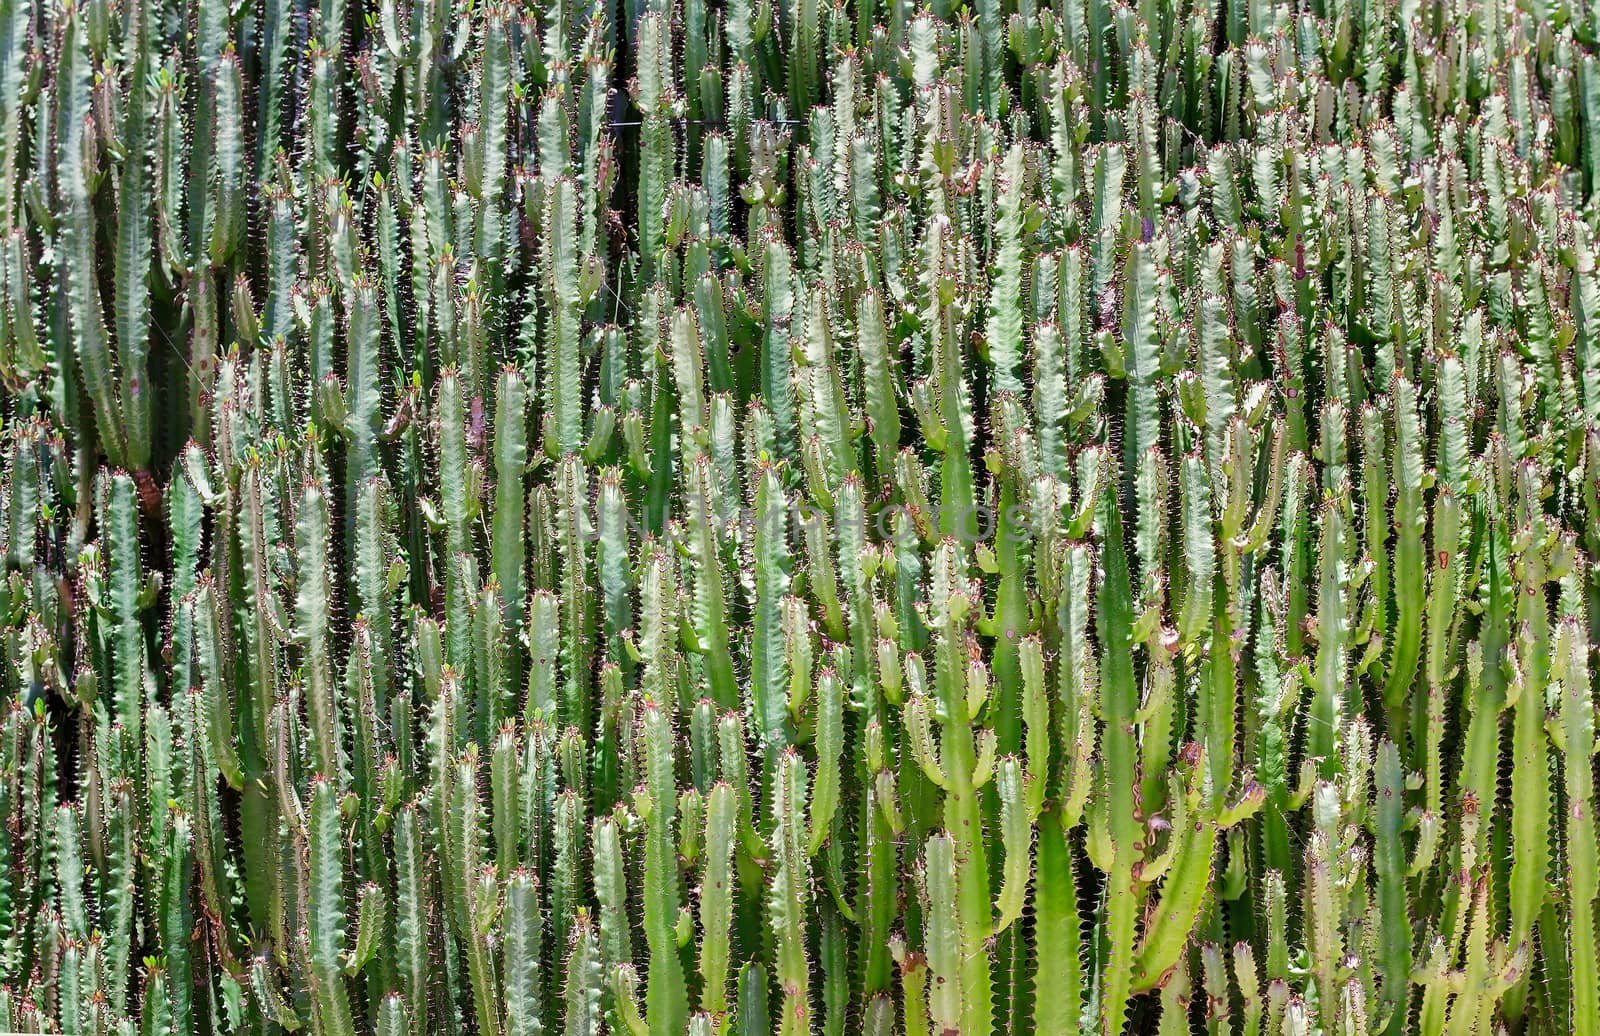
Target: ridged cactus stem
(666, 999)
(1118, 703)
(1576, 743)
(716, 902)
(788, 894)
(312, 608)
(960, 767)
(325, 936)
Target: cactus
(789, 895)
(326, 914)
(817, 518)
(666, 1003)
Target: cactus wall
(733, 517)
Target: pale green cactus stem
(509, 536)
(85, 311)
(119, 898)
(226, 211)
(581, 992)
(565, 874)
(364, 391)
(393, 1018)
(1443, 592)
(613, 569)
(771, 563)
(881, 826)
(1187, 866)
(1488, 969)
(209, 649)
(829, 409)
(817, 531)
(156, 1012)
(953, 425)
(1016, 838)
(1159, 713)
(960, 765)
(1118, 702)
(1151, 537)
(666, 998)
(716, 902)
(1489, 691)
(788, 895)
(196, 780)
(776, 376)
(623, 990)
(268, 999)
(799, 656)
(829, 746)
(371, 746)
(1058, 976)
(943, 939)
(159, 802)
(411, 921)
(710, 607)
(505, 791)
(1531, 805)
(577, 596)
(564, 428)
(1218, 702)
(325, 937)
(656, 151)
(1004, 327)
(1199, 551)
(1325, 721)
(1009, 622)
(1199, 813)
(611, 891)
(131, 686)
(133, 246)
(69, 875)
(1576, 744)
(523, 941)
(262, 625)
(1325, 940)
(1410, 564)
(1241, 540)
(658, 634)
(1176, 995)
(1248, 981)
(544, 651)
(475, 892)
(1143, 417)
(688, 351)
(1389, 861)
(312, 608)
(371, 921)
(1050, 397)
(455, 487)
(878, 377)
(493, 104)
(1078, 684)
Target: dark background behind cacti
(746, 518)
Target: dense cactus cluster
(805, 518)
